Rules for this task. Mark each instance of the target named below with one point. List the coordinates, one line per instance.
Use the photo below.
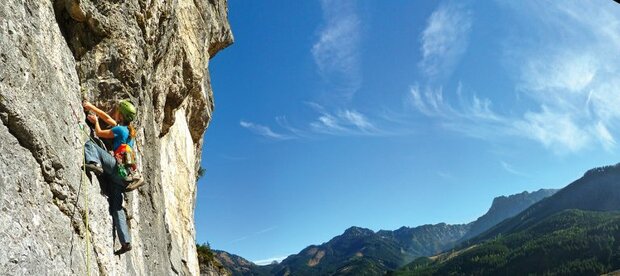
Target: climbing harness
(125, 162)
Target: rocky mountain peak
(355, 231)
(505, 207)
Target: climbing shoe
(136, 182)
(94, 167)
(126, 247)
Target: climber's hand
(92, 118)
(87, 105)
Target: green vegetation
(238, 266)
(571, 242)
(206, 258)
(200, 173)
(360, 251)
(505, 207)
(362, 267)
(375, 254)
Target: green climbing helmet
(128, 110)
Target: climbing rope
(85, 183)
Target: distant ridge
(576, 231)
(597, 190)
(361, 251)
(505, 207)
(239, 266)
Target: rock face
(53, 53)
(504, 207)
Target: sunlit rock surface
(54, 53)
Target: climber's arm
(107, 133)
(104, 116)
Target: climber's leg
(90, 152)
(95, 154)
(108, 162)
(118, 214)
(92, 156)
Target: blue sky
(384, 114)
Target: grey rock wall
(53, 53)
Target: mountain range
(574, 232)
(569, 242)
(361, 251)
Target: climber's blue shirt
(121, 136)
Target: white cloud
(566, 67)
(254, 234)
(343, 123)
(431, 102)
(557, 131)
(267, 229)
(604, 99)
(553, 130)
(327, 123)
(445, 39)
(605, 137)
(356, 119)
(283, 122)
(336, 53)
(263, 131)
(269, 260)
(570, 72)
(475, 118)
(239, 239)
(417, 101)
(510, 169)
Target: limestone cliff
(53, 53)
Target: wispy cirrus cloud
(264, 131)
(254, 234)
(554, 129)
(509, 168)
(343, 122)
(445, 39)
(569, 69)
(336, 53)
(604, 136)
(558, 131)
(566, 70)
(337, 50)
(472, 116)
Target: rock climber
(99, 161)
